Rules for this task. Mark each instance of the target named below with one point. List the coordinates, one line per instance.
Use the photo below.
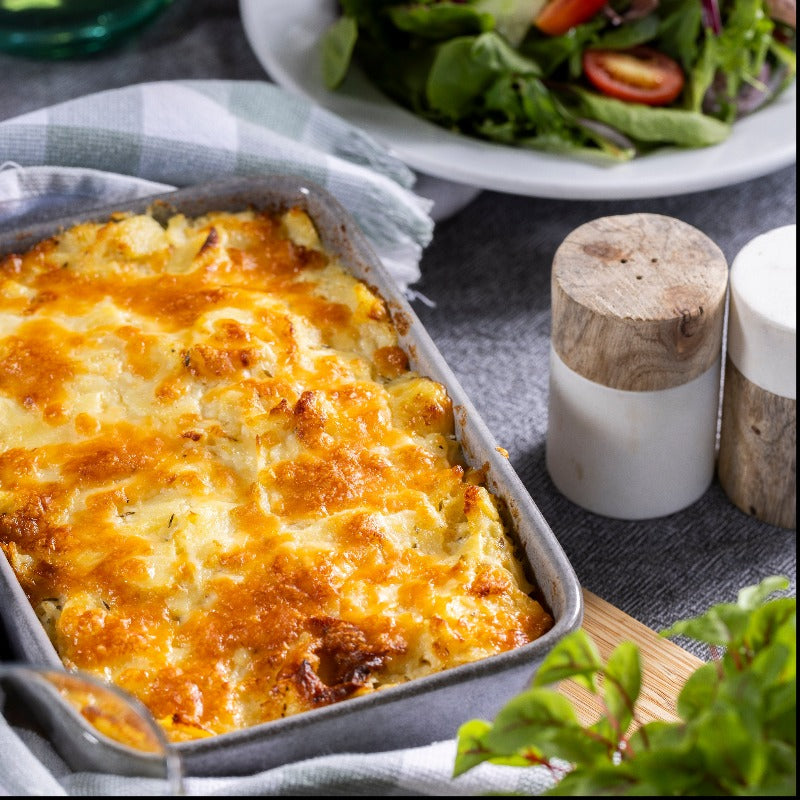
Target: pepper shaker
(757, 449)
(638, 306)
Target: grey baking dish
(422, 711)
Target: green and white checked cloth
(181, 133)
(29, 766)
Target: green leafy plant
(737, 729)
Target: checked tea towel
(29, 767)
(181, 133)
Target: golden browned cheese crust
(222, 487)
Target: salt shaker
(638, 306)
(757, 448)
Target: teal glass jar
(69, 28)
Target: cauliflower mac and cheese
(222, 487)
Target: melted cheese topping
(221, 486)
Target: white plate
(284, 38)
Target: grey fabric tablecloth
(487, 272)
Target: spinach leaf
(337, 50)
(656, 125)
(465, 67)
(637, 32)
(554, 51)
(680, 28)
(441, 21)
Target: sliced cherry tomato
(638, 75)
(558, 16)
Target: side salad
(607, 79)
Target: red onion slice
(711, 16)
(614, 136)
(638, 9)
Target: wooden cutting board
(665, 665)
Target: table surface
(487, 274)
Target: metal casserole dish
(421, 711)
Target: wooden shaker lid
(638, 301)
